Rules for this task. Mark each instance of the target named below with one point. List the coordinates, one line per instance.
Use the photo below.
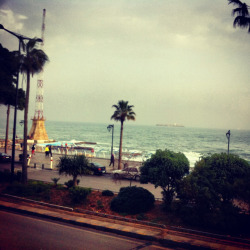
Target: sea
(141, 141)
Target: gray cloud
(175, 61)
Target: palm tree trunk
(120, 148)
(26, 111)
(7, 129)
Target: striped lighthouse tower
(38, 131)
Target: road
(24, 232)
(92, 181)
(96, 182)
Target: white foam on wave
(193, 157)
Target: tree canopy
(165, 169)
(9, 67)
(241, 12)
(209, 194)
(217, 180)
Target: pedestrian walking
(66, 148)
(46, 151)
(50, 151)
(33, 149)
(112, 160)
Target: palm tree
(243, 18)
(32, 62)
(9, 66)
(123, 111)
(75, 166)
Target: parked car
(5, 157)
(128, 173)
(97, 168)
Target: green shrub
(60, 187)
(5, 176)
(99, 204)
(141, 217)
(70, 183)
(55, 180)
(79, 194)
(18, 176)
(36, 189)
(132, 200)
(107, 193)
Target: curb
(161, 236)
(79, 221)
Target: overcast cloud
(176, 61)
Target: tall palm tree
(123, 111)
(9, 66)
(32, 62)
(243, 18)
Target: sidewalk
(166, 237)
(39, 159)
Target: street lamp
(20, 38)
(228, 138)
(111, 126)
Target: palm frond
(34, 59)
(22, 45)
(235, 2)
(242, 22)
(123, 111)
(240, 12)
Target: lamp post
(20, 38)
(111, 126)
(228, 138)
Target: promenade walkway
(39, 159)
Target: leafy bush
(208, 193)
(79, 194)
(107, 193)
(5, 176)
(60, 187)
(141, 217)
(225, 221)
(132, 200)
(36, 189)
(55, 180)
(99, 204)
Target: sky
(176, 61)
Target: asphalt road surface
(24, 232)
